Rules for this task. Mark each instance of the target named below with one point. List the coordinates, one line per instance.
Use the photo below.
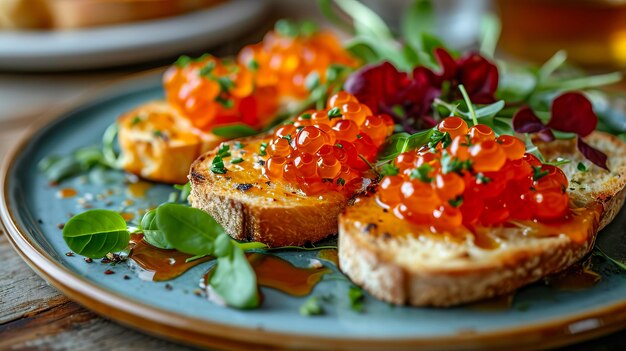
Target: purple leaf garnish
(594, 155)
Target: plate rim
(199, 332)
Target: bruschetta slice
(404, 263)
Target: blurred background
(51, 51)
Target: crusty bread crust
(396, 263)
(251, 208)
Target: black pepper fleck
(88, 259)
(69, 254)
(244, 187)
(370, 227)
(168, 286)
(386, 235)
(261, 162)
(39, 221)
(61, 225)
(126, 277)
(105, 260)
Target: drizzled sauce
(329, 255)
(66, 193)
(277, 273)
(576, 278)
(152, 263)
(578, 225)
(138, 189)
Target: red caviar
(476, 179)
(213, 92)
(284, 62)
(324, 150)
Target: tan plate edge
(204, 333)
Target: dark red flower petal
(573, 113)
(447, 63)
(525, 121)
(545, 135)
(479, 77)
(592, 154)
(376, 85)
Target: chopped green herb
(439, 137)
(482, 179)
(389, 169)
(217, 166)
(288, 137)
(225, 84)
(356, 296)
(581, 167)
(239, 145)
(207, 70)
(339, 145)
(224, 150)
(558, 162)
(135, 120)
(263, 149)
(359, 136)
(334, 112)
(299, 128)
(312, 307)
(183, 61)
(236, 160)
(157, 133)
(458, 201)
(538, 173)
(421, 173)
(452, 164)
(341, 181)
(253, 65)
(305, 116)
(227, 103)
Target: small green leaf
(263, 149)
(558, 162)
(538, 173)
(151, 232)
(95, 233)
(356, 296)
(188, 229)
(207, 70)
(581, 167)
(334, 112)
(223, 150)
(234, 279)
(185, 191)
(389, 169)
(483, 179)
(458, 201)
(312, 307)
(183, 61)
(421, 173)
(236, 160)
(217, 165)
(341, 181)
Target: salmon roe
(325, 150)
(473, 178)
(212, 91)
(284, 62)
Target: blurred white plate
(128, 43)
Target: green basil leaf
(95, 233)
(234, 131)
(490, 110)
(234, 279)
(188, 229)
(151, 232)
(185, 191)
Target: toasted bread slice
(403, 264)
(252, 208)
(159, 144)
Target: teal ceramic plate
(540, 316)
